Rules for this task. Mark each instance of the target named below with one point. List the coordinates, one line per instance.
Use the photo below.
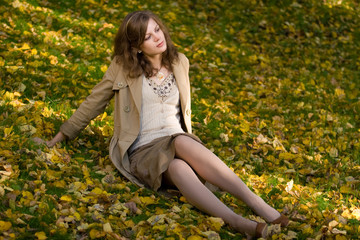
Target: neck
(155, 60)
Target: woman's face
(154, 42)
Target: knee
(183, 143)
(178, 168)
(180, 141)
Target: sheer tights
(190, 156)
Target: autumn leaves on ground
(275, 88)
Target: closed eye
(157, 29)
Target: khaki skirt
(150, 161)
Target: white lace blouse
(160, 111)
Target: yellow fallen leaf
(21, 87)
(333, 152)
(66, 198)
(261, 139)
(337, 231)
(27, 197)
(60, 184)
(307, 229)
(4, 226)
(212, 235)
(96, 233)
(25, 46)
(286, 156)
(141, 233)
(175, 209)
(294, 149)
(278, 145)
(103, 116)
(346, 214)
(97, 191)
(2, 191)
(356, 213)
(216, 223)
(291, 235)
(41, 94)
(7, 131)
(195, 237)
(5, 173)
(340, 237)
(53, 60)
(77, 186)
(299, 160)
(161, 227)
(244, 126)
(262, 124)
(77, 216)
(28, 128)
(147, 200)
(107, 228)
(333, 224)
(177, 229)
(156, 219)
(34, 51)
(85, 171)
(89, 181)
(103, 68)
(339, 93)
(129, 223)
(289, 186)
(83, 226)
(41, 235)
(47, 112)
(346, 189)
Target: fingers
(50, 144)
(132, 207)
(38, 140)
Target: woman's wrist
(58, 138)
(50, 143)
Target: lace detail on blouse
(163, 90)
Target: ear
(136, 50)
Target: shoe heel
(282, 220)
(261, 230)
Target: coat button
(120, 84)
(188, 112)
(127, 109)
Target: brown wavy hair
(131, 35)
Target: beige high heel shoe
(282, 220)
(260, 232)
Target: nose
(156, 37)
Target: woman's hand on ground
(132, 207)
(58, 138)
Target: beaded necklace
(164, 88)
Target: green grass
(287, 70)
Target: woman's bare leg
(184, 178)
(215, 171)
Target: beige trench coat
(127, 94)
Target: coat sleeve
(93, 105)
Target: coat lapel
(181, 81)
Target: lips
(160, 44)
